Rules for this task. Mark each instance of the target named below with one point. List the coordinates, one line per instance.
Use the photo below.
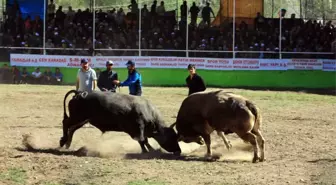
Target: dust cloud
(116, 145)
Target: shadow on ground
(155, 155)
(51, 151)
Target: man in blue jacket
(134, 81)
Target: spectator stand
(239, 33)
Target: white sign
(270, 64)
(174, 62)
(305, 64)
(329, 65)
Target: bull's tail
(64, 101)
(256, 112)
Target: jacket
(134, 83)
(106, 79)
(196, 84)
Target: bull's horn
(173, 125)
(180, 138)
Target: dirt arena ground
(299, 129)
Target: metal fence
(145, 34)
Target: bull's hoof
(229, 146)
(255, 159)
(67, 145)
(62, 141)
(262, 159)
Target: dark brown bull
(202, 113)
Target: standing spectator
(195, 82)
(160, 10)
(206, 14)
(86, 77)
(51, 10)
(133, 80)
(60, 16)
(108, 78)
(194, 10)
(333, 48)
(184, 11)
(153, 8)
(71, 14)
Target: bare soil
(299, 129)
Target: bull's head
(192, 137)
(167, 139)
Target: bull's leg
(253, 140)
(142, 131)
(71, 132)
(261, 142)
(143, 148)
(149, 147)
(226, 141)
(207, 141)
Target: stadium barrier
(171, 71)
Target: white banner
(329, 65)
(174, 62)
(46, 60)
(270, 64)
(305, 64)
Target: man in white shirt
(37, 76)
(86, 77)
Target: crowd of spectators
(118, 29)
(15, 75)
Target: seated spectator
(48, 76)
(58, 76)
(16, 75)
(37, 76)
(25, 76)
(5, 74)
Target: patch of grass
(15, 175)
(146, 182)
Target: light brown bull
(202, 113)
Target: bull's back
(252, 107)
(197, 107)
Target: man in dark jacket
(134, 81)
(107, 78)
(195, 82)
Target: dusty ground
(299, 129)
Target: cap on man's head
(84, 60)
(130, 63)
(109, 62)
(191, 66)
